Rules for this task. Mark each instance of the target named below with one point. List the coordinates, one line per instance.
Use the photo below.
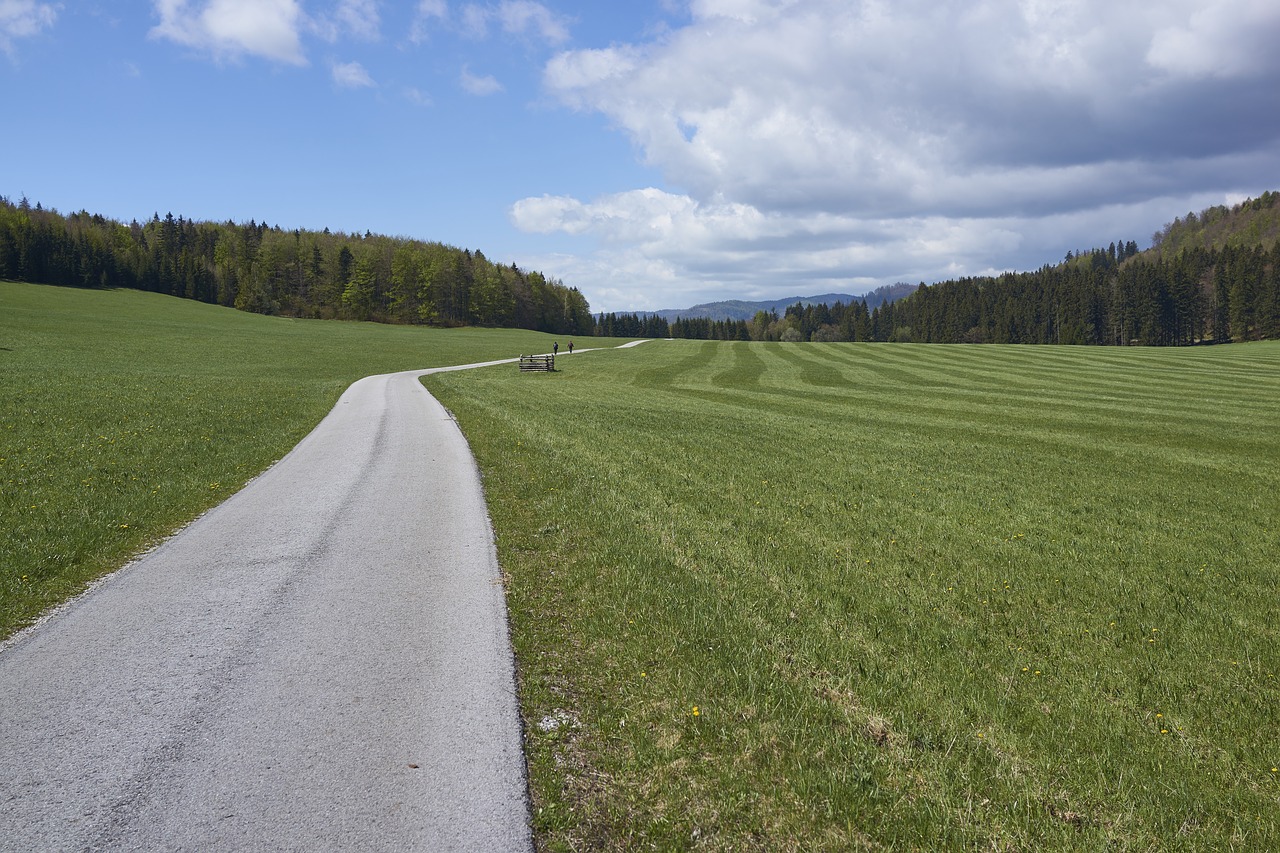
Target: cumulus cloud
(923, 119)
(836, 104)
(230, 29)
(351, 75)
(21, 19)
(733, 250)
(664, 250)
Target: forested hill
(296, 273)
(1252, 224)
(1208, 277)
(1211, 277)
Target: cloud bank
(829, 141)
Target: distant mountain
(888, 293)
(738, 309)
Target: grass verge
(796, 597)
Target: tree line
(298, 273)
(1201, 295)
(631, 326)
(1211, 277)
(1208, 278)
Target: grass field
(124, 415)
(796, 597)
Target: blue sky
(655, 154)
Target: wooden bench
(544, 363)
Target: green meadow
(864, 596)
(123, 415)
(763, 596)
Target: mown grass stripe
(937, 582)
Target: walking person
(555, 348)
(570, 347)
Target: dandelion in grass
(696, 712)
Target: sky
(655, 153)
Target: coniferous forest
(298, 273)
(1211, 277)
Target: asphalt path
(319, 663)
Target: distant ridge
(738, 309)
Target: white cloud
(229, 29)
(356, 18)
(1227, 38)
(360, 17)
(474, 21)
(513, 17)
(811, 129)
(21, 19)
(577, 74)
(417, 97)
(912, 106)
(746, 11)
(673, 245)
(479, 85)
(427, 11)
(523, 17)
(661, 250)
(549, 214)
(351, 75)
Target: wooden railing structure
(539, 363)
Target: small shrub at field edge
(843, 596)
(125, 414)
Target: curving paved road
(319, 663)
